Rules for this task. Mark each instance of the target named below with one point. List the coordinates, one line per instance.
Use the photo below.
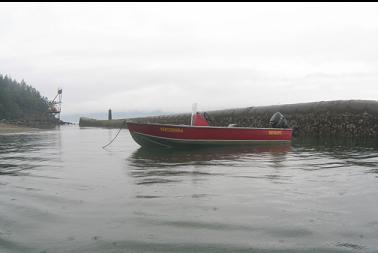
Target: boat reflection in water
(160, 165)
(165, 157)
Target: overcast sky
(165, 56)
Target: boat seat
(199, 120)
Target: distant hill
(19, 101)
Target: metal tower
(55, 106)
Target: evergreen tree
(21, 101)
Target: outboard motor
(278, 121)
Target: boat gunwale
(216, 127)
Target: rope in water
(124, 123)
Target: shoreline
(6, 128)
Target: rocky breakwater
(341, 118)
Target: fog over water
(141, 57)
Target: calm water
(61, 192)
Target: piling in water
(110, 114)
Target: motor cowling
(278, 121)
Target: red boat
(201, 134)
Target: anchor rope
(124, 123)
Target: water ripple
(60, 192)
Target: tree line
(21, 101)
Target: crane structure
(55, 106)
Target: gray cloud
(164, 56)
